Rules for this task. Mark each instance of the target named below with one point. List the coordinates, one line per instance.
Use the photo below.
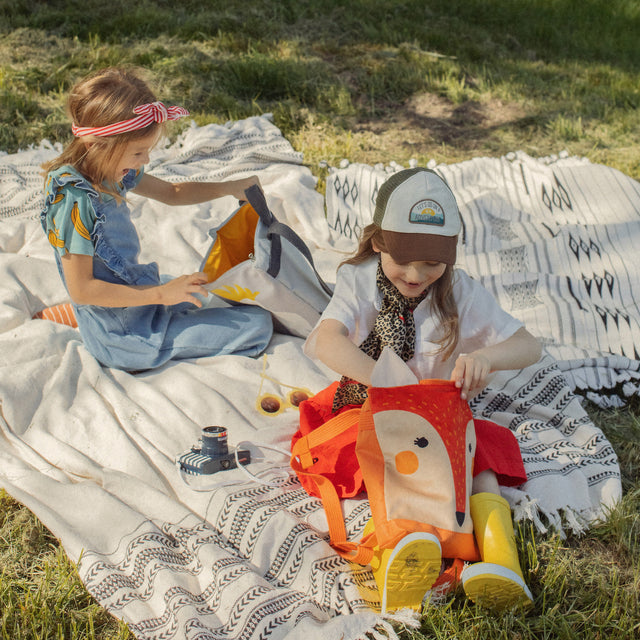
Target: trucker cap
(419, 217)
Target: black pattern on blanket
(553, 240)
(91, 450)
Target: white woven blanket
(91, 451)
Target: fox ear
(391, 371)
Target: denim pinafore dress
(145, 337)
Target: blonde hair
(100, 99)
(443, 303)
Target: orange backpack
(414, 446)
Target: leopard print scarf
(394, 327)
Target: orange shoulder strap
(302, 459)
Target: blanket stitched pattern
(553, 240)
(91, 451)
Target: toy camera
(212, 455)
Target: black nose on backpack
(460, 515)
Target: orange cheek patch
(407, 462)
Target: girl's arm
(85, 289)
(191, 192)
(335, 349)
(471, 370)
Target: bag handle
(301, 459)
(277, 230)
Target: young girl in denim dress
(401, 291)
(127, 316)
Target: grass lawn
(370, 81)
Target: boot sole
(412, 568)
(495, 587)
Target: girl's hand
(471, 373)
(182, 288)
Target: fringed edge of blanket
(384, 630)
(563, 521)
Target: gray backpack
(254, 259)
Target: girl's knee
(262, 323)
(259, 320)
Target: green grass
(371, 81)
(537, 75)
(41, 595)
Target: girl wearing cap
(128, 317)
(400, 290)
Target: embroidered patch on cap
(427, 212)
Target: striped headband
(147, 114)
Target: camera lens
(214, 441)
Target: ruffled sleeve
(68, 216)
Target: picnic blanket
(91, 451)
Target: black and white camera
(211, 454)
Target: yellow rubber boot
(497, 582)
(405, 573)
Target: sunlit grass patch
(41, 594)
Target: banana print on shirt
(70, 219)
(77, 222)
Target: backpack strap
(302, 459)
(277, 230)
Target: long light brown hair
(443, 303)
(103, 98)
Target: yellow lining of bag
(234, 243)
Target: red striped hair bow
(147, 114)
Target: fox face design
(428, 447)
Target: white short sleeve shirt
(356, 302)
